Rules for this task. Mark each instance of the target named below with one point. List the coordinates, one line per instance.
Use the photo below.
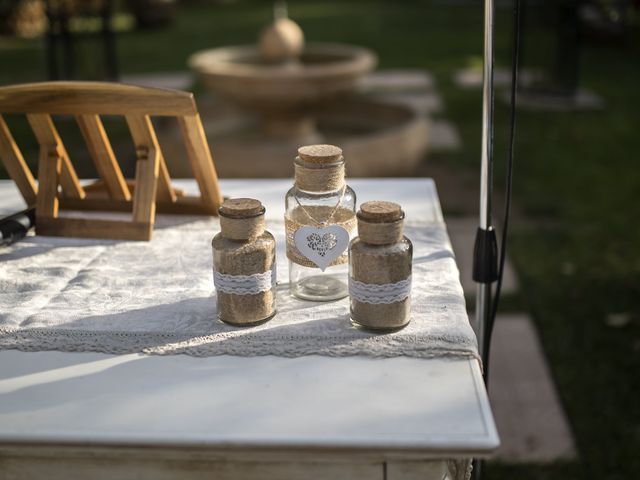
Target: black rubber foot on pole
(485, 256)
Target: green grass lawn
(577, 187)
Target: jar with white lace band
(380, 269)
(244, 264)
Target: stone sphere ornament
(282, 41)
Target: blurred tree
(23, 18)
(153, 13)
(607, 19)
(551, 46)
(62, 40)
(554, 35)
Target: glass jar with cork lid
(244, 264)
(320, 221)
(380, 268)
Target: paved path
(531, 422)
(584, 99)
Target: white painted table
(87, 415)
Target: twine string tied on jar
(319, 177)
(377, 233)
(242, 228)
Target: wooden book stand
(58, 183)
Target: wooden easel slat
(94, 228)
(49, 170)
(74, 98)
(47, 136)
(144, 195)
(200, 158)
(165, 190)
(102, 154)
(183, 205)
(144, 137)
(15, 165)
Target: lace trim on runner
(245, 284)
(234, 343)
(377, 294)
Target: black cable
(16, 226)
(515, 58)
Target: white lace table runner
(157, 297)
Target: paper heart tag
(321, 245)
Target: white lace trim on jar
(377, 294)
(245, 284)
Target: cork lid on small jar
(380, 212)
(320, 154)
(380, 223)
(241, 218)
(241, 208)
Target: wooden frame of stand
(58, 185)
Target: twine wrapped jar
(320, 221)
(244, 264)
(380, 268)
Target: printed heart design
(321, 245)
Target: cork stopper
(320, 154)
(241, 208)
(241, 218)
(319, 168)
(380, 212)
(380, 223)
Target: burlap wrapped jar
(244, 263)
(380, 268)
(320, 221)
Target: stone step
(470, 78)
(531, 421)
(443, 136)
(182, 80)
(424, 103)
(398, 79)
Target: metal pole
(483, 297)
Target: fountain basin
(324, 71)
(378, 139)
(285, 95)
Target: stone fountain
(283, 93)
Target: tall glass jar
(244, 262)
(320, 221)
